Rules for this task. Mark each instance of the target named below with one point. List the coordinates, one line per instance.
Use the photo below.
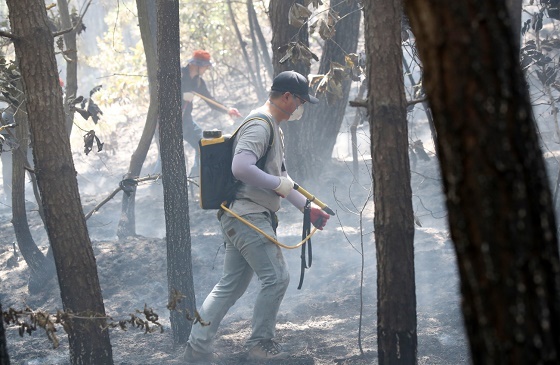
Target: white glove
(285, 187)
(188, 97)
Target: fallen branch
(127, 183)
(120, 187)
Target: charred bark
(56, 177)
(175, 192)
(498, 197)
(4, 356)
(282, 34)
(323, 121)
(148, 27)
(394, 220)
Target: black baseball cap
(295, 83)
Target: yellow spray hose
(312, 198)
(266, 235)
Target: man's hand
(319, 218)
(233, 112)
(285, 187)
(188, 97)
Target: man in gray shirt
(257, 201)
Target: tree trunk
(71, 62)
(394, 220)
(253, 25)
(515, 7)
(175, 192)
(499, 202)
(147, 20)
(261, 93)
(41, 268)
(282, 34)
(262, 41)
(425, 104)
(56, 177)
(320, 130)
(4, 357)
(353, 132)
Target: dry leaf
(326, 31)
(298, 15)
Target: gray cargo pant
(247, 251)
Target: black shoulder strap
(262, 161)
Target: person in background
(192, 82)
(257, 200)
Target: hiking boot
(194, 357)
(267, 350)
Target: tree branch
(8, 35)
(416, 101)
(358, 103)
(119, 188)
(78, 23)
(363, 103)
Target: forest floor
(319, 324)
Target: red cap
(200, 58)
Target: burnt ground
(318, 324)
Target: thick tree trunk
(56, 177)
(394, 221)
(147, 20)
(175, 192)
(320, 130)
(499, 202)
(515, 9)
(282, 34)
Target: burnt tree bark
(282, 34)
(147, 20)
(324, 120)
(498, 197)
(515, 9)
(175, 192)
(394, 220)
(56, 177)
(4, 356)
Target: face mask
(296, 115)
